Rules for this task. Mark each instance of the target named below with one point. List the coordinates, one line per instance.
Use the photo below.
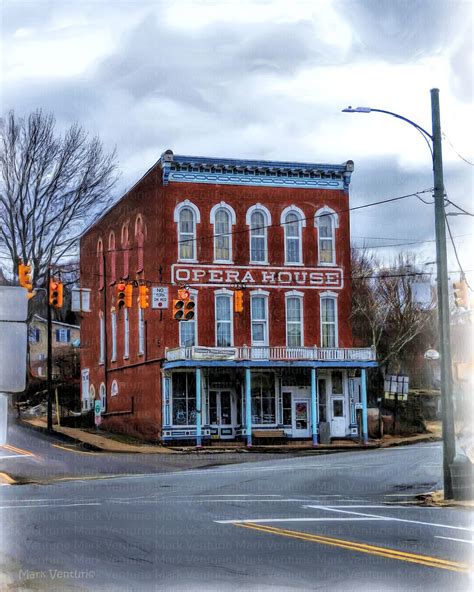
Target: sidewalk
(106, 442)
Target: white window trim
(300, 296)
(302, 224)
(334, 296)
(126, 334)
(197, 219)
(113, 323)
(230, 295)
(265, 294)
(141, 332)
(194, 294)
(233, 220)
(101, 339)
(268, 221)
(335, 219)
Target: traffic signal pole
(449, 444)
(49, 371)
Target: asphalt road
(332, 522)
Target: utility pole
(49, 371)
(449, 444)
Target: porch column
(314, 406)
(198, 408)
(248, 406)
(363, 393)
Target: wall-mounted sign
(431, 354)
(396, 387)
(159, 297)
(214, 353)
(259, 277)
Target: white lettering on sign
(258, 277)
(159, 297)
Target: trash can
(324, 432)
(462, 475)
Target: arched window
(125, 246)
(326, 221)
(103, 396)
(222, 217)
(140, 240)
(112, 258)
(100, 261)
(187, 234)
(258, 218)
(292, 219)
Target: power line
(459, 208)
(456, 253)
(445, 137)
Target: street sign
(159, 297)
(97, 412)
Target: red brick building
(285, 365)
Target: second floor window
(126, 334)
(141, 332)
(222, 236)
(326, 238)
(113, 321)
(223, 320)
(187, 234)
(63, 335)
(101, 339)
(188, 329)
(259, 320)
(294, 325)
(328, 321)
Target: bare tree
(50, 187)
(384, 309)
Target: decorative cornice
(261, 173)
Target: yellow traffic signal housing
(461, 299)
(24, 276)
(143, 296)
(121, 294)
(238, 301)
(189, 306)
(55, 294)
(128, 295)
(178, 309)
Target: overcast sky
(261, 79)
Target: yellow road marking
(6, 479)
(19, 450)
(362, 547)
(72, 449)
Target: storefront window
(287, 408)
(184, 398)
(263, 398)
(322, 415)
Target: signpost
(98, 412)
(159, 297)
(13, 340)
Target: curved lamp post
(434, 143)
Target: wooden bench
(268, 433)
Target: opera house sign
(258, 277)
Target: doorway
(301, 418)
(222, 413)
(338, 417)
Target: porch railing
(273, 353)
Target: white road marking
(263, 520)
(49, 505)
(14, 456)
(457, 540)
(390, 518)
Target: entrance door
(338, 417)
(222, 412)
(301, 420)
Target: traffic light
(143, 296)
(460, 294)
(24, 276)
(178, 309)
(121, 294)
(55, 293)
(238, 301)
(128, 295)
(189, 306)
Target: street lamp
(433, 141)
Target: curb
(321, 449)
